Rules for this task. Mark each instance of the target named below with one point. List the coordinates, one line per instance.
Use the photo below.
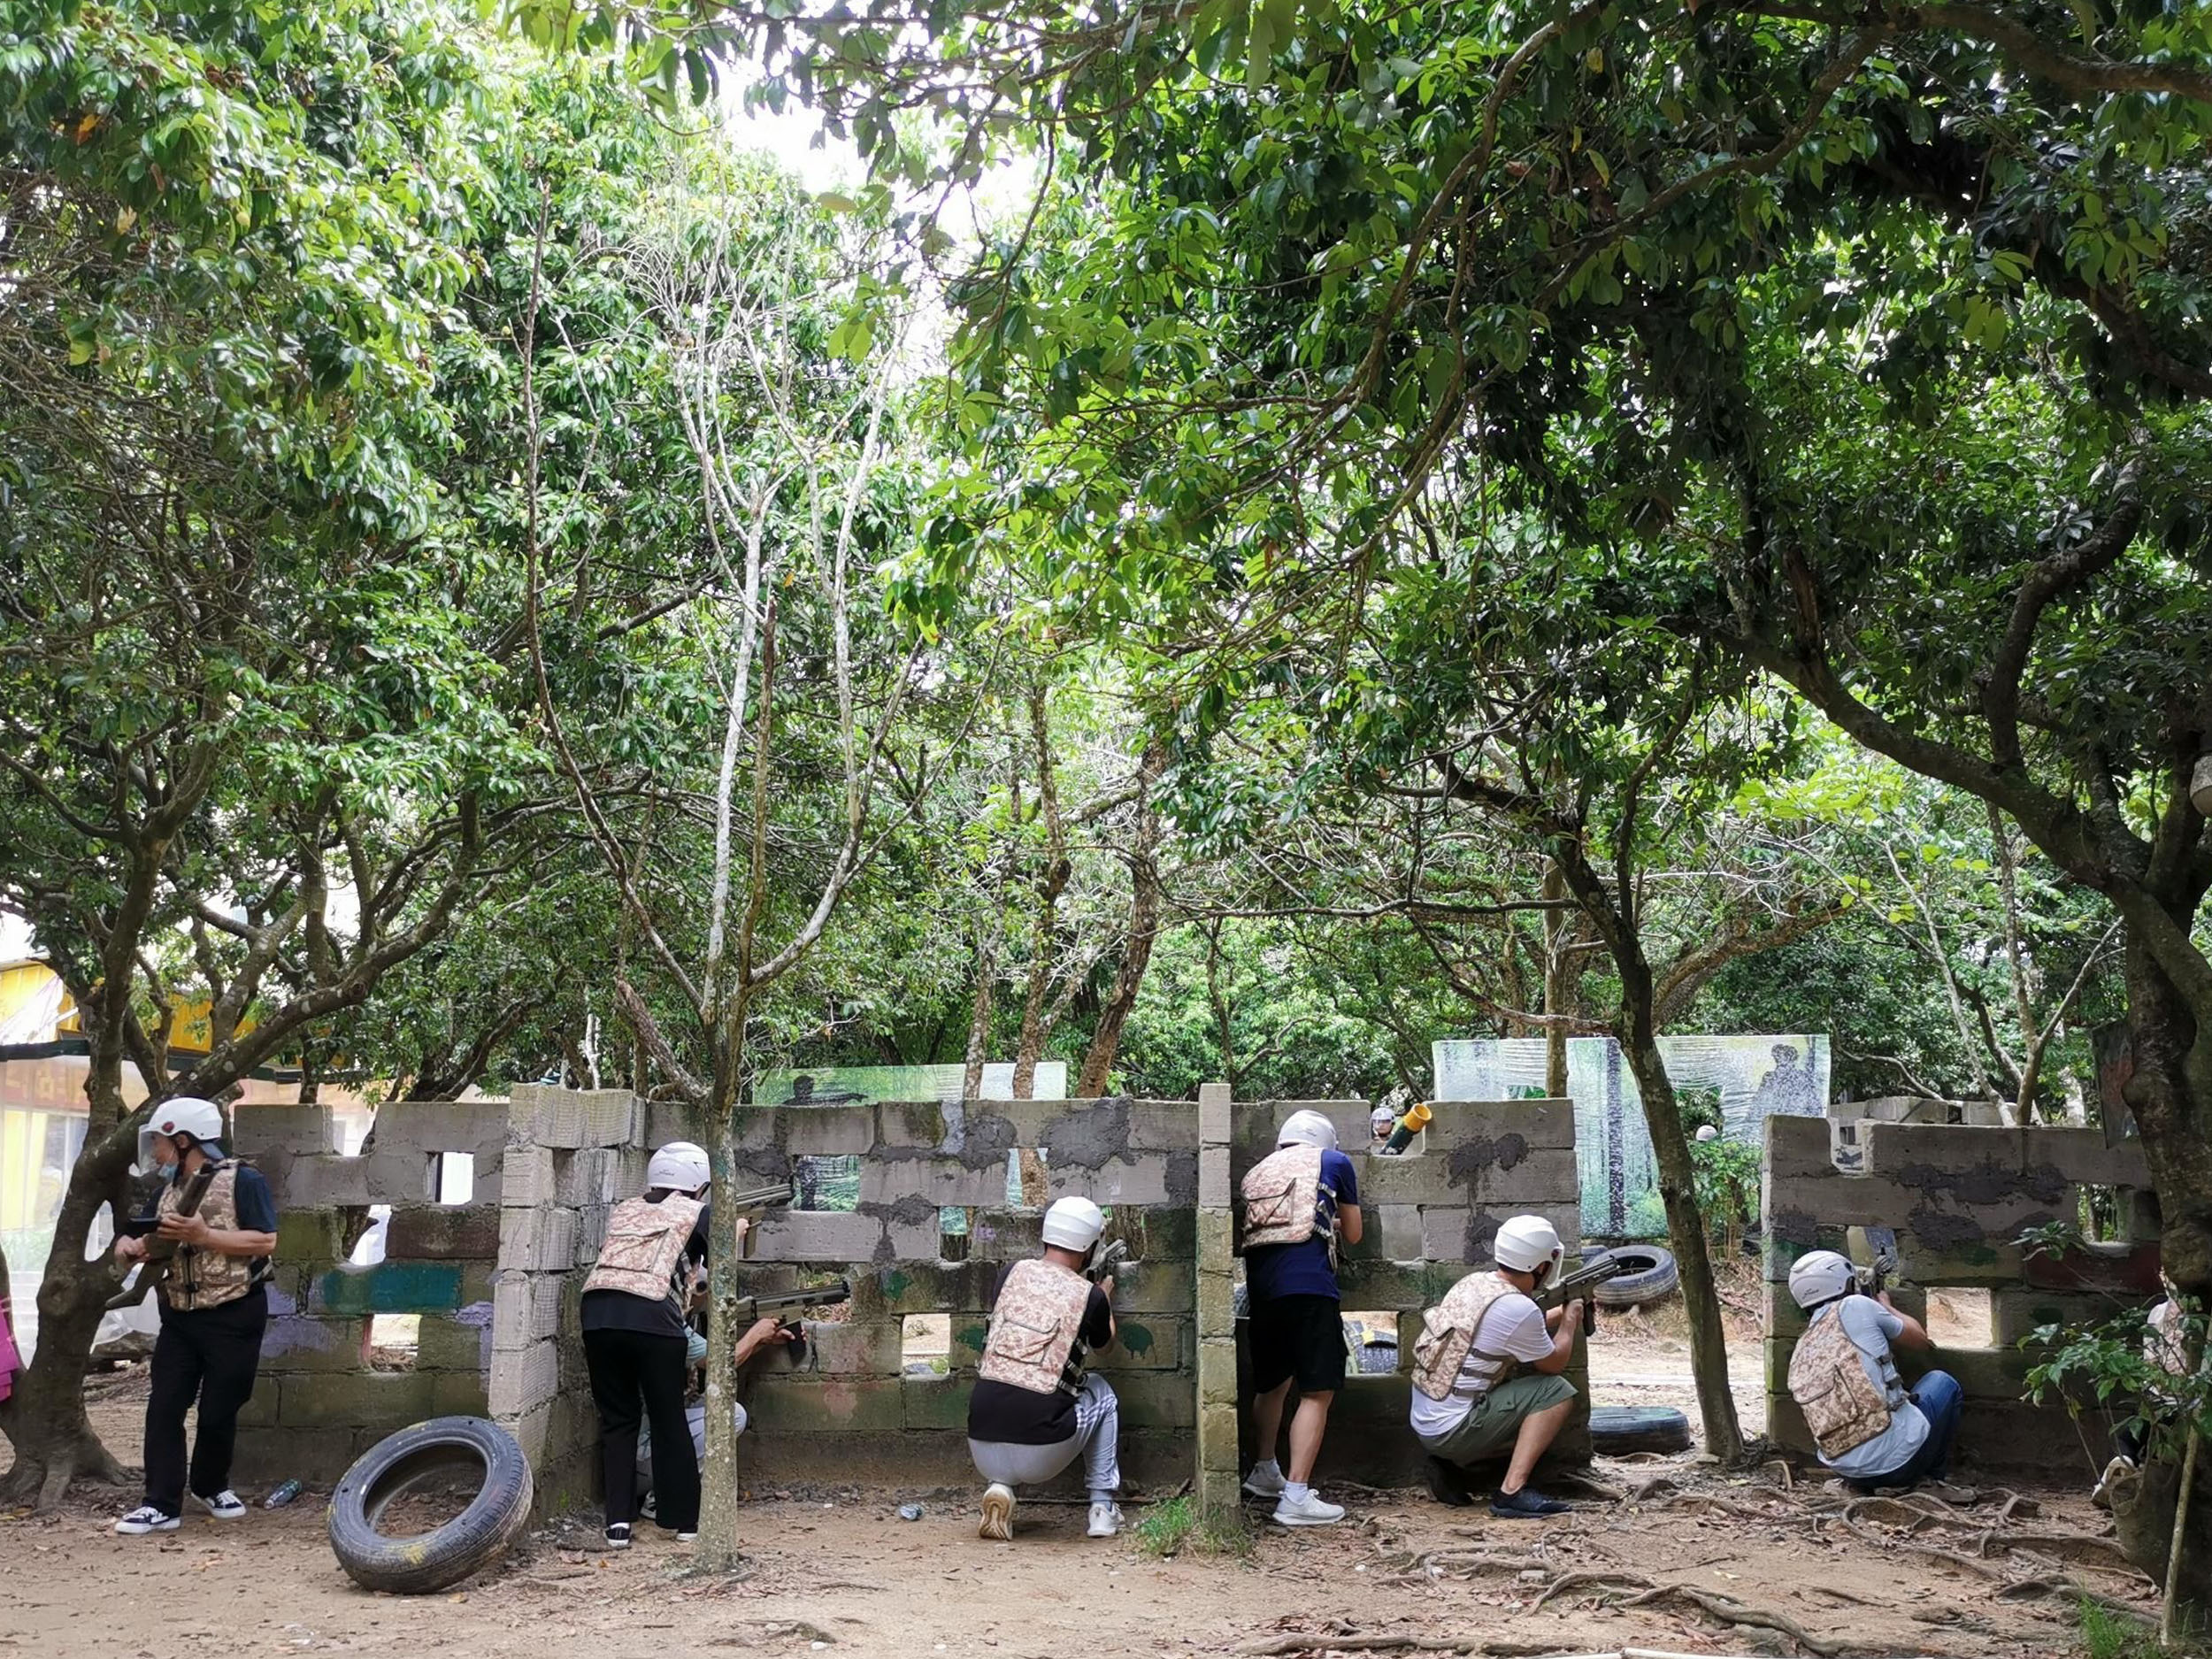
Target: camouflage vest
(643, 1255)
(1282, 1200)
(198, 1278)
(1448, 1336)
(1828, 1379)
(1036, 1330)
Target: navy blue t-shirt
(249, 1196)
(1302, 1269)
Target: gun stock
(161, 1253)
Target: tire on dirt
(1651, 1276)
(467, 1544)
(1617, 1430)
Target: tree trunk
(1555, 939)
(1686, 1227)
(53, 1439)
(979, 1050)
(718, 1549)
(2170, 1094)
(1136, 956)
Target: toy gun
(1582, 1286)
(1871, 1278)
(761, 1197)
(1112, 1258)
(751, 1307)
(161, 1253)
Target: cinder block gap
(925, 1345)
(452, 1176)
(1960, 1318)
(394, 1342)
(956, 1223)
(826, 1180)
(1370, 1343)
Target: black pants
(634, 1376)
(209, 1356)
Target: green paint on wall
(1135, 1339)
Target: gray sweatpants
(1097, 1437)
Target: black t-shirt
(619, 1310)
(1017, 1416)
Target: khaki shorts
(1488, 1431)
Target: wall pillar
(1218, 1473)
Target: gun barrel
(761, 1197)
(816, 1296)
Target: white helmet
(1073, 1223)
(1307, 1128)
(680, 1167)
(186, 1114)
(1820, 1276)
(1525, 1243)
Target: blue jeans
(1939, 1396)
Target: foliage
(2109, 1633)
(1727, 1181)
(1174, 1525)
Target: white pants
(695, 1415)
(1097, 1437)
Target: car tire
(466, 1545)
(1616, 1430)
(1651, 1276)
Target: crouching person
(1868, 1426)
(214, 1308)
(1033, 1410)
(1470, 1406)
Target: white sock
(1296, 1492)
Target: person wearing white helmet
(1298, 1201)
(638, 1341)
(1034, 1409)
(1867, 1425)
(218, 1217)
(1472, 1402)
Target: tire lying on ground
(1650, 1275)
(413, 1458)
(1615, 1430)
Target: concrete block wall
(318, 1404)
(1430, 1217)
(1959, 1197)
(571, 1155)
(847, 1408)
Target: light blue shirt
(1869, 1325)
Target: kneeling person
(1034, 1409)
(1867, 1425)
(1469, 1406)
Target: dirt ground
(837, 1571)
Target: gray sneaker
(1307, 1511)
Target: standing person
(1469, 1406)
(1867, 1425)
(636, 1343)
(1033, 1409)
(214, 1308)
(1298, 1201)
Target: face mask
(168, 1173)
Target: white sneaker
(1105, 1520)
(1264, 1481)
(146, 1518)
(224, 1506)
(998, 1513)
(1307, 1511)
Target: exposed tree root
(1723, 1607)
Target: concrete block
(1214, 1190)
(588, 1176)
(322, 1182)
(1158, 1126)
(528, 1177)
(915, 1241)
(1972, 1162)
(836, 1405)
(1215, 1110)
(1215, 1233)
(1157, 1232)
(530, 1432)
(356, 1400)
(817, 1235)
(1156, 1288)
(538, 1240)
(305, 1130)
(847, 1348)
(398, 1175)
(1217, 1433)
(302, 1342)
(443, 1234)
(1444, 1234)
(936, 1402)
(939, 1180)
(1157, 1400)
(524, 1380)
(1484, 1171)
(452, 1344)
(818, 1131)
(998, 1236)
(526, 1310)
(1393, 1233)
(1538, 1124)
(389, 1287)
(428, 1127)
(1798, 1147)
(1215, 1303)
(1144, 1344)
(311, 1235)
(1378, 1285)
(1115, 1181)
(1217, 1374)
(904, 1287)
(909, 1124)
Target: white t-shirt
(1869, 1325)
(1512, 1324)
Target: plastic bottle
(283, 1495)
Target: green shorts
(1488, 1431)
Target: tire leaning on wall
(1651, 1276)
(400, 1463)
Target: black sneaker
(1527, 1504)
(617, 1535)
(1447, 1484)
